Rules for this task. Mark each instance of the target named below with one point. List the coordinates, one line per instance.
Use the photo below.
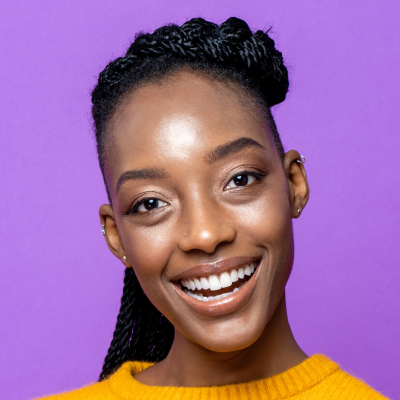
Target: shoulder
(95, 391)
(114, 387)
(346, 386)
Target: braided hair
(229, 52)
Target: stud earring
(103, 229)
(302, 160)
(185, 234)
(124, 259)
(299, 210)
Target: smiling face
(199, 193)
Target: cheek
(148, 251)
(267, 223)
(268, 219)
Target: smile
(219, 288)
(213, 287)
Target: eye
(148, 204)
(241, 179)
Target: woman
(202, 197)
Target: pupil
(151, 204)
(241, 180)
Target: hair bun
(199, 27)
(234, 29)
(231, 45)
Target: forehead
(178, 119)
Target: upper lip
(215, 268)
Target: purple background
(60, 286)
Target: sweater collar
(293, 381)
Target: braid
(229, 52)
(125, 323)
(159, 332)
(231, 44)
(139, 326)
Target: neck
(190, 365)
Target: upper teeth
(217, 282)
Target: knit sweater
(315, 378)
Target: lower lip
(227, 305)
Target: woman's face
(200, 200)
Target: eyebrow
(230, 148)
(139, 174)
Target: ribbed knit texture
(316, 378)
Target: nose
(207, 226)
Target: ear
(112, 237)
(299, 191)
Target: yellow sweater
(316, 378)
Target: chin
(230, 335)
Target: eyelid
(257, 175)
(137, 204)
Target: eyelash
(259, 176)
(134, 208)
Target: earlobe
(296, 176)
(110, 232)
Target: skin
(174, 126)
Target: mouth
(219, 289)
(218, 286)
